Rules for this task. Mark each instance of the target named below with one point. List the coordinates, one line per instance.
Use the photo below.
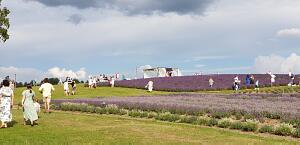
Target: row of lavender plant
(272, 106)
(231, 122)
(195, 83)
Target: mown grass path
(85, 92)
(77, 128)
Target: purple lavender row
(285, 105)
(194, 83)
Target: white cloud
(292, 32)
(200, 58)
(199, 65)
(277, 64)
(23, 74)
(62, 73)
(28, 74)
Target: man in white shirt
(66, 88)
(46, 89)
(90, 82)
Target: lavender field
(285, 106)
(196, 83)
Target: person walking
(66, 88)
(46, 89)
(73, 85)
(6, 103)
(29, 111)
(149, 86)
(210, 82)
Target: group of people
(66, 87)
(29, 103)
(250, 80)
(92, 81)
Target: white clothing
(6, 91)
(37, 106)
(94, 81)
(273, 78)
(150, 86)
(236, 79)
(90, 82)
(47, 89)
(66, 86)
(112, 82)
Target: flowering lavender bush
(194, 83)
(248, 105)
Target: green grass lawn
(75, 128)
(85, 92)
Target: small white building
(161, 72)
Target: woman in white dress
(6, 103)
(149, 86)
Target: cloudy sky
(83, 37)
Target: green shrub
(188, 119)
(220, 114)
(212, 122)
(283, 129)
(82, 107)
(238, 116)
(122, 112)
(100, 110)
(143, 114)
(201, 121)
(167, 116)
(224, 123)
(248, 116)
(112, 109)
(53, 107)
(91, 109)
(266, 128)
(134, 113)
(66, 106)
(236, 125)
(250, 125)
(296, 133)
(152, 114)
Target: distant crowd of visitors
(250, 80)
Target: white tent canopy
(161, 72)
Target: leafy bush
(112, 109)
(91, 109)
(238, 116)
(167, 116)
(152, 114)
(212, 122)
(220, 114)
(100, 110)
(296, 133)
(122, 112)
(82, 107)
(248, 116)
(134, 113)
(66, 106)
(188, 119)
(143, 114)
(201, 121)
(224, 123)
(236, 125)
(250, 125)
(283, 129)
(266, 128)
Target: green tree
(4, 23)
